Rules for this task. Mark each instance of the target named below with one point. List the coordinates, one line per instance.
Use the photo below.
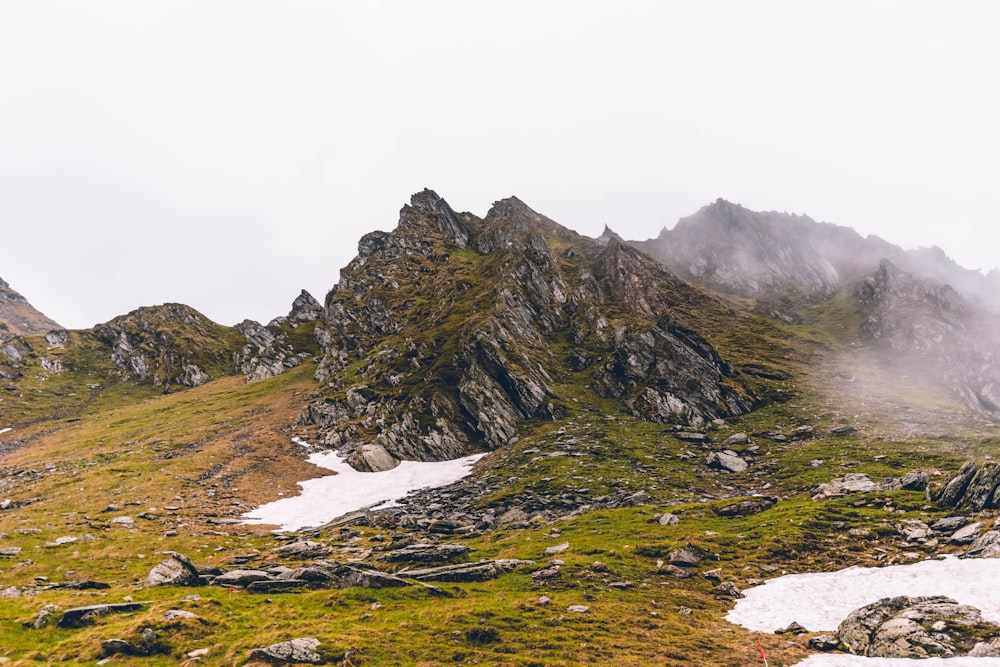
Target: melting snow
(328, 497)
(4, 430)
(821, 601)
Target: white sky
(228, 154)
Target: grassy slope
(217, 449)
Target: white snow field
(328, 497)
(821, 601)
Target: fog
(227, 154)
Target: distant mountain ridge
(750, 253)
(20, 317)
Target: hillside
(654, 441)
(17, 316)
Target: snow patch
(821, 601)
(326, 498)
(4, 430)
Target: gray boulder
(921, 627)
(178, 570)
(728, 461)
(853, 483)
(296, 651)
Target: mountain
(730, 248)
(20, 317)
(449, 332)
(657, 427)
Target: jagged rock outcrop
(447, 333)
(284, 343)
(921, 627)
(973, 487)
(168, 344)
(17, 316)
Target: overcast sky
(228, 154)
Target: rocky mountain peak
(608, 235)
(445, 342)
(428, 205)
(20, 317)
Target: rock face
(973, 487)
(19, 317)
(922, 627)
(445, 334)
(284, 343)
(168, 344)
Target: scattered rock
(966, 534)
(738, 439)
(481, 571)
(842, 429)
(686, 556)
(578, 609)
(174, 614)
(178, 570)
(81, 616)
(44, 617)
(296, 651)
(824, 642)
(747, 507)
(425, 553)
(10, 552)
(668, 519)
(728, 461)
(303, 549)
(802, 433)
(853, 483)
(559, 548)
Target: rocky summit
(659, 426)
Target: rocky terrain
(17, 316)
(776, 396)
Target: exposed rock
(843, 429)
(853, 483)
(44, 617)
(949, 524)
(296, 651)
(302, 549)
(824, 642)
(904, 627)
(481, 571)
(974, 487)
(747, 507)
(425, 553)
(673, 570)
(668, 519)
(802, 433)
(578, 609)
(241, 577)
(686, 556)
(559, 548)
(986, 545)
(80, 616)
(177, 570)
(490, 363)
(174, 614)
(728, 461)
(966, 534)
(19, 316)
(372, 458)
(738, 439)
